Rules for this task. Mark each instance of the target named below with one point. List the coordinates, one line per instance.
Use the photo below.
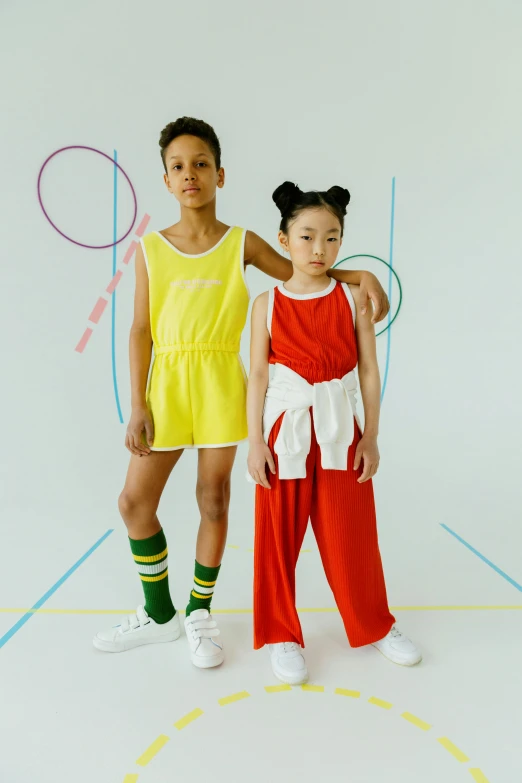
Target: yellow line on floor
(152, 750)
(416, 721)
(478, 775)
(453, 608)
(22, 610)
(234, 697)
(232, 611)
(451, 748)
(380, 703)
(351, 694)
(180, 724)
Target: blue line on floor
(488, 562)
(22, 621)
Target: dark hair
(291, 200)
(188, 126)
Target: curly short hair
(189, 126)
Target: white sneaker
(206, 648)
(135, 630)
(288, 663)
(398, 648)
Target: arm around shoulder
(260, 254)
(372, 292)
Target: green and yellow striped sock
(205, 579)
(151, 558)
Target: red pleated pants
(342, 513)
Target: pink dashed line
(99, 307)
(142, 226)
(101, 304)
(130, 252)
(114, 282)
(83, 342)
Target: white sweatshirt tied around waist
(334, 408)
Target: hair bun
(340, 195)
(285, 195)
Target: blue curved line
(113, 327)
(390, 285)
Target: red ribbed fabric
(342, 511)
(314, 337)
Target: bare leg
(213, 496)
(144, 485)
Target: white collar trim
(313, 295)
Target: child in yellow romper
(190, 306)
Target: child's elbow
(140, 329)
(258, 374)
(368, 370)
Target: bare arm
(259, 453)
(370, 381)
(258, 377)
(260, 254)
(140, 353)
(140, 341)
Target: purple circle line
(114, 163)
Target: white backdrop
(338, 93)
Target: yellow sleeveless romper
(198, 307)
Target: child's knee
(213, 499)
(133, 508)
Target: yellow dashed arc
(153, 749)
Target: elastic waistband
(181, 347)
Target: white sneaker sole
(397, 661)
(291, 679)
(208, 662)
(111, 647)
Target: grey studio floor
(71, 713)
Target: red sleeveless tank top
(313, 334)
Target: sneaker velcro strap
(136, 620)
(199, 624)
(206, 633)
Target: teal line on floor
(27, 616)
(485, 559)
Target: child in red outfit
(303, 423)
